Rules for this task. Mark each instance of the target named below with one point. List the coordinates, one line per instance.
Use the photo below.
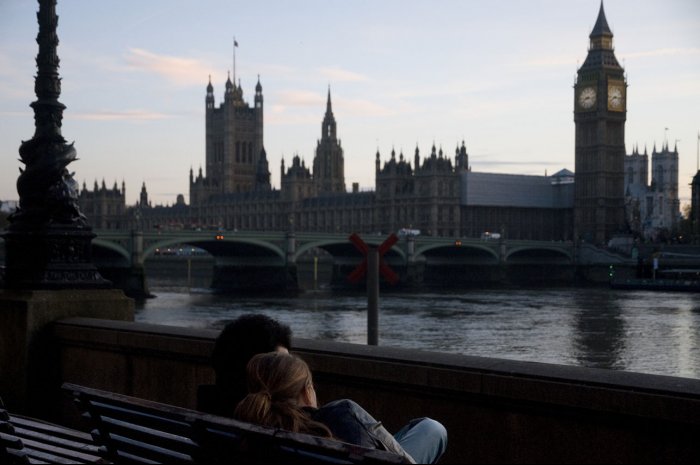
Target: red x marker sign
(361, 269)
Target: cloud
(363, 108)
(178, 70)
(300, 98)
(338, 74)
(21, 114)
(293, 100)
(282, 117)
(551, 61)
(17, 82)
(128, 115)
(483, 160)
(270, 69)
(663, 52)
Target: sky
(495, 74)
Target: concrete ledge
(576, 387)
(495, 410)
(27, 358)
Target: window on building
(660, 177)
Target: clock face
(587, 97)
(615, 98)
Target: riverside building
(431, 192)
(435, 194)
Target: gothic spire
(601, 27)
(328, 127)
(210, 95)
(601, 53)
(329, 110)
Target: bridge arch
(540, 254)
(112, 246)
(229, 245)
(463, 250)
(343, 245)
(106, 252)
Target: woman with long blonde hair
(282, 395)
(280, 386)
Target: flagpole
(697, 155)
(234, 60)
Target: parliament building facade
(432, 192)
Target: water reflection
(636, 331)
(687, 343)
(599, 330)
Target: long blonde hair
(275, 382)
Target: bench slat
(47, 457)
(50, 429)
(68, 444)
(145, 450)
(124, 457)
(134, 414)
(10, 441)
(26, 440)
(39, 448)
(149, 436)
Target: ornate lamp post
(48, 241)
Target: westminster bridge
(270, 260)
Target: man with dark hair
(240, 340)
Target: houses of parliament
(428, 190)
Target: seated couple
(281, 394)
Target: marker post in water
(371, 266)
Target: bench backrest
(132, 430)
(26, 440)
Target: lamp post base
(58, 257)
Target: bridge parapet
(467, 257)
(589, 254)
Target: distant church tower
(329, 166)
(600, 111)
(234, 141)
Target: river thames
(639, 331)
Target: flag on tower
(235, 44)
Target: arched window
(660, 177)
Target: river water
(640, 331)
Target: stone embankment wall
(496, 411)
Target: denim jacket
(351, 423)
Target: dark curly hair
(240, 340)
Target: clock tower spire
(600, 112)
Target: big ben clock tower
(600, 111)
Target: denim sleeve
(349, 422)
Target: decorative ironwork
(48, 242)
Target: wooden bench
(28, 440)
(131, 430)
